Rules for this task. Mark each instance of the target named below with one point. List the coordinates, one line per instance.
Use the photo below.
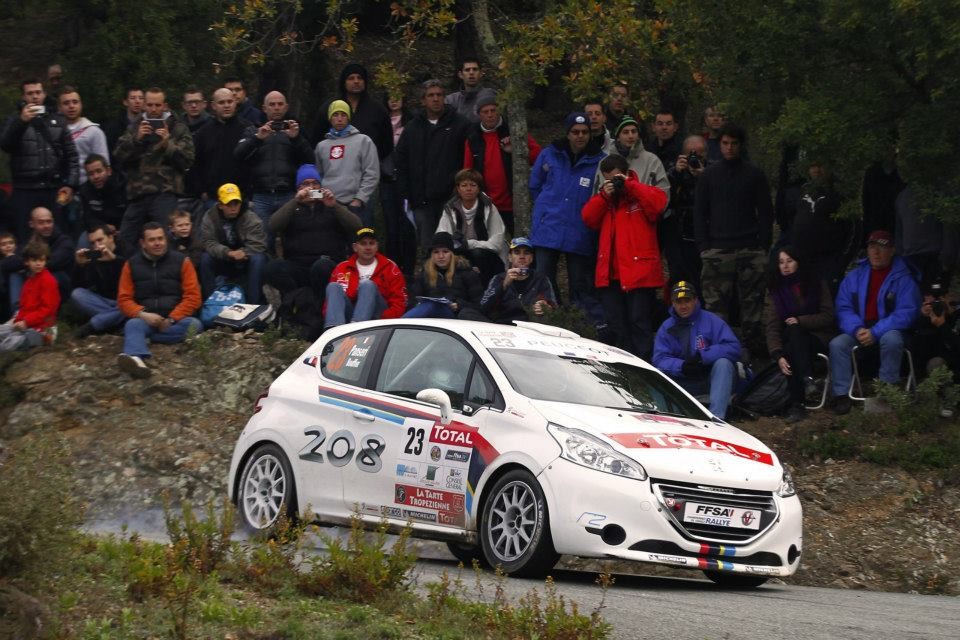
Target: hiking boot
(841, 405)
(796, 413)
(84, 330)
(272, 296)
(133, 366)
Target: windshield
(546, 376)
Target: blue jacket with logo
(898, 301)
(559, 189)
(678, 339)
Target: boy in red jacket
(366, 286)
(625, 211)
(39, 301)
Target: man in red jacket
(625, 211)
(366, 286)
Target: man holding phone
(43, 160)
(155, 153)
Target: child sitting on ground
(182, 237)
(33, 325)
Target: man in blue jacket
(877, 302)
(697, 349)
(561, 182)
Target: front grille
(683, 492)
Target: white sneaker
(134, 366)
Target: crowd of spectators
(667, 239)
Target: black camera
(618, 183)
(279, 125)
(938, 306)
(693, 161)
(94, 254)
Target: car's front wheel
(515, 526)
(735, 580)
(266, 487)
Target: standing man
(158, 293)
(86, 135)
(713, 121)
(155, 153)
(215, 142)
(667, 144)
(429, 154)
(270, 155)
(132, 112)
(677, 232)
(194, 106)
(366, 286)
(43, 159)
(489, 150)
(466, 102)
(617, 104)
(598, 122)
(733, 225)
(366, 114)
(244, 107)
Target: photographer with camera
(628, 275)
(936, 337)
(97, 276)
(677, 235)
(270, 155)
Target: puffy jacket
(39, 301)
(495, 240)
(386, 276)
(506, 305)
(559, 189)
(309, 231)
(272, 163)
(167, 286)
(250, 234)
(42, 152)
(704, 332)
(465, 289)
(150, 168)
(898, 301)
(628, 235)
(429, 155)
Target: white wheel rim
(263, 491)
(513, 521)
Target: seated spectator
(234, 244)
(472, 219)
(878, 301)
(936, 339)
(8, 251)
(628, 275)
(697, 349)
(798, 316)
(103, 196)
(366, 286)
(184, 237)
(97, 276)
(510, 294)
(59, 261)
(445, 276)
(314, 231)
(159, 294)
(348, 163)
(39, 301)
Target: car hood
(678, 449)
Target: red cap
(880, 237)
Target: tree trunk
(516, 116)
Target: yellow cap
(228, 193)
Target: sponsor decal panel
(425, 498)
(391, 512)
(451, 519)
(405, 470)
(454, 455)
(422, 516)
(659, 557)
(458, 435)
(766, 571)
(688, 441)
(720, 516)
(453, 478)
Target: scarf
(790, 300)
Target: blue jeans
(136, 333)
(264, 205)
(580, 273)
(370, 305)
(723, 374)
(841, 367)
(431, 309)
(103, 312)
(214, 272)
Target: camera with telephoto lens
(939, 306)
(693, 161)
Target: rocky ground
(866, 526)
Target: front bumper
(596, 514)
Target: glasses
(310, 183)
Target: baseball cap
(880, 237)
(228, 193)
(683, 289)
(521, 241)
(365, 232)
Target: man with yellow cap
(348, 163)
(234, 245)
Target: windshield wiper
(656, 412)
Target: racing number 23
(414, 434)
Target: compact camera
(279, 125)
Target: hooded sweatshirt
(88, 138)
(646, 165)
(369, 116)
(348, 164)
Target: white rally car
(514, 444)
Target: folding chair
(855, 378)
(826, 384)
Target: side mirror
(440, 399)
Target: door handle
(366, 416)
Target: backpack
(766, 394)
(220, 299)
(301, 309)
(241, 317)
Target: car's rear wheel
(735, 580)
(266, 488)
(467, 553)
(515, 527)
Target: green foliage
(201, 544)
(38, 510)
(272, 560)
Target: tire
(515, 527)
(735, 580)
(467, 553)
(266, 485)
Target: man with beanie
(315, 232)
(488, 150)
(366, 286)
(234, 244)
(561, 182)
(429, 154)
(647, 167)
(347, 161)
(467, 101)
(367, 115)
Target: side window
(482, 391)
(347, 359)
(418, 359)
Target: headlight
(786, 488)
(583, 449)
